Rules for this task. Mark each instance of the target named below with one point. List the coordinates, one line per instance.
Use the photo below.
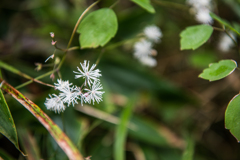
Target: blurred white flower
(148, 61)
(226, 43)
(55, 103)
(199, 3)
(87, 74)
(94, 94)
(201, 9)
(203, 16)
(142, 48)
(153, 33)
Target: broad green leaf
(232, 117)
(97, 28)
(223, 22)
(218, 70)
(121, 133)
(195, 36)
(145, 4)
(7, 126)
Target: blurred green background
(173, 112)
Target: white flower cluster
(201, 9)
(70, 94)
(143, 50)
(226, 43)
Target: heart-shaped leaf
(219, 70)
(145, 4)
(195, 36)
(97, 28)
(232, 117)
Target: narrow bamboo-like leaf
(224, 22)
(195, 36)
(7, 126)
(232, 117)
(60, 137)
(145, 4)
(29, 144)
(218, 70)
(121, 133)
(97, 28)
(189, 150)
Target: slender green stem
(235, 42)
(99, 57)
(14, 70)
(39, 77)
(79, 20)
(231, 37)
(218, 29)
(74, 31)
(171, 4)
(114, 4)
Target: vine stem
(218, 29)
(171, 4)
(74, 31)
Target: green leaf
(145, 4)
(223, 22)
(195, 36)
(218, 70)
(121, 133)
(59, 136)
(7, 126)
(97, 28)
(232, 117)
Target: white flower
(94, 94)
(203, 16)
(69, 94)
(89, 75)
(55, 103)
(201, 9)
(148, 61)
(142, 49)
(153, 33)
(226, 42)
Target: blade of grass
(29, 144)
(121, 132)
(60, 137)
